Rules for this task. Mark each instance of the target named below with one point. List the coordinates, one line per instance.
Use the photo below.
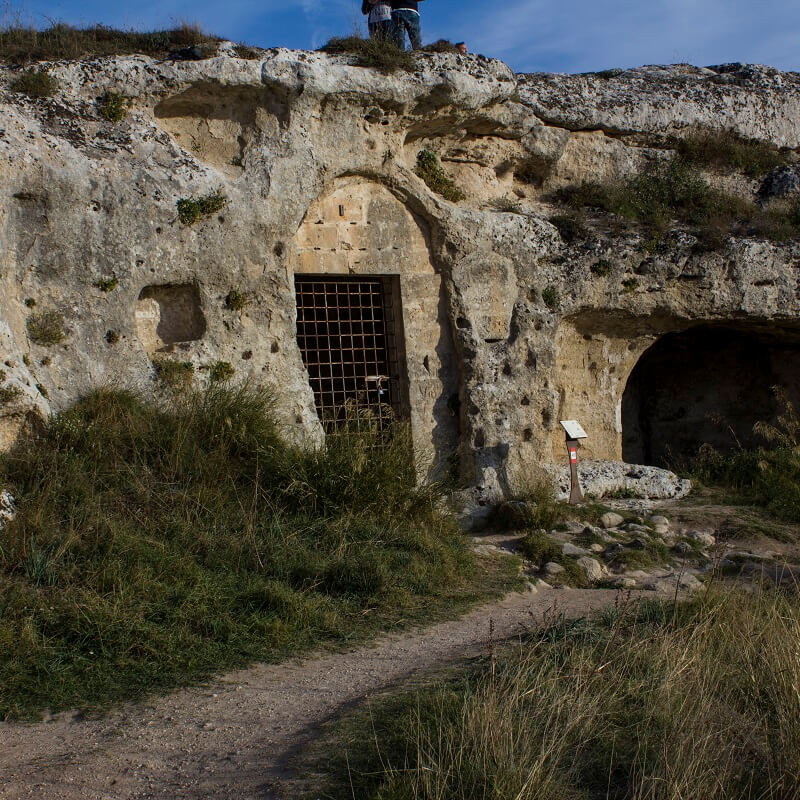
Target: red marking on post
(573, 455)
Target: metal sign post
(574, 433)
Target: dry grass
(22, 43)
(377, 53)
(648, 702)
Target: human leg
(398, 31)
(414, 29)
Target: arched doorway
(372, 322)
(706, 385)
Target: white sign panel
(574, 429)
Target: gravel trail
(233, 737)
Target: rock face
(485, 325)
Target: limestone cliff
(503, 327)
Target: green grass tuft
(571, 227)
(35, 83)
(174, 375)
(629, 285)
(46, 327)
(221, 371)
(430, 170)
(107, 284)
(551, 297)
(114, 107)
(236, 300)
(191, 209)
(8, 394)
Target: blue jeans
(406, 20)
(381, 30)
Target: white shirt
(380, 12)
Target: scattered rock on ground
(7, 508)
(706, 539)
(569, 549)
(611, 520)
(592, 567)
(551, 568)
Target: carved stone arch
(359, 228)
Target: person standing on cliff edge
(380, 18)
(405, 18)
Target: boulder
(780, 182)
(592, 567)
(704, 537)
(611, 520)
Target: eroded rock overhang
(507, 326)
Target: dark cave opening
(707, 385)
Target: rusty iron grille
(347, 333)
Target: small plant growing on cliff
(175, 375)
(246, 52)
(726, 151)
(601, 267)
(107, 284)
(46, 327)
(629, 284)
(35, 83)
(221, 372)
(505, 204)
(112, 337)
(377, 52)
(30, 302)
(191, 209)
(570, 227)
(8, 394)
(114, 107)
(236, 300)
(429, 169)
(550, 297)
(533, 170)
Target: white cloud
(586, 35)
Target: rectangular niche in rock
(350, 336)
(169, 314)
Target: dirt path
(232, 739)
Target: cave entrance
(349, 331)
(709, 384)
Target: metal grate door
(347, 333)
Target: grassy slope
(154, 547)
(647, 701)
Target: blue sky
(531, 35)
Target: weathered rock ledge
(506, 327)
